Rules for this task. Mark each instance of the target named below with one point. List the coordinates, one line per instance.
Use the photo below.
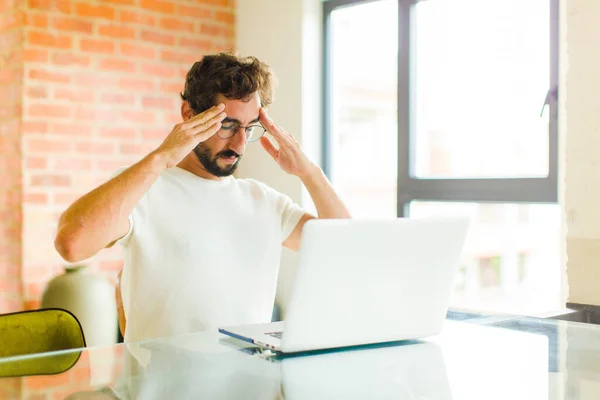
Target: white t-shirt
(201, 254)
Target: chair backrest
(39, 331)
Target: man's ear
(186, 111)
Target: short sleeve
(286, 210)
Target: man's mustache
(228, 153)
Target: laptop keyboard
(276, 335)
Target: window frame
(501, 190)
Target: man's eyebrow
(227, 119)
(237, 121)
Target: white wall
(287, 35)
(581, 121)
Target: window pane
(363, 141)
(481, 73)
(511, 258)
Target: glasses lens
(227, 130)
(254, 133)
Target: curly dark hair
(235, 77)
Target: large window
(448, 107)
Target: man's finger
(269, 147)
(204, 133)
(199, 129)
(270, 126)
(204, 116)
(280, 135)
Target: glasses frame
(236, 128)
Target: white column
(286, 35)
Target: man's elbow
(67, 247)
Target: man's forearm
(100, 217)
(327, 202)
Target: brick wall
(99, 90)
(11, 83)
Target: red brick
(116, 31)
(51, 111)
(216, 30)
(163, 7)
(73, 164)
(36, 198)
(138, 117)
(10, 20)
(112, 165)
(121, 2)
(37, 92)
(48, 146)
(97, 46)
(226, 17)
(63, 6)
(165, 103)
(197, 44)
(168, 87)
(135, 50)
(179, 57)
(153, 133)
(95, 148)
(95, 115)
(158, 38)
(159, 70)
(85, 9)
(8, 285)
(137, 148)
(10, 77)
(11, 305)
(176, 24)
(136, 84)
(93, 79)
(36, 20)
(222, 3)
(65, 198)
(126, 133)
(84, 114)
(35, 55)
(48, 76)
(50, 180)
(220, 47)
(118, 98)
(194, 12)
(116, 64)
(134, 17)
(31, 305)
(49, 40)
(71, 129)
(79, 95)
(72, 24)
(36, 163)
(71, 59)
(34, 127)
(171, 118)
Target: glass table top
(476, 356)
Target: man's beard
(210, 163)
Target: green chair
(39, 331)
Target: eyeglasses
(253, 132)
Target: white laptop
(363, 281)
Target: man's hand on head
(186, 135)
(289, 156)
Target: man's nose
(238, 141)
